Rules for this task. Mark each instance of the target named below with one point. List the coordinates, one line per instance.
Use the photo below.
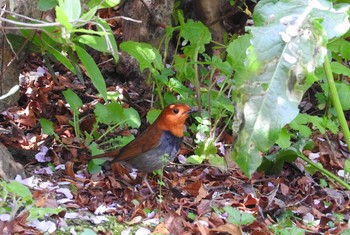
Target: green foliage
(111, 114)
(152, 115)
(45, 5)
(238, 218)
(48, 128)
(92, 71)
(66, 40)
(94, 166)
(273, 164)
(347, 170)
(198, 35)
(343, 90)
(285, 225)
(103, 4)
(288, 42)
(321, 124)
(73, 100)
(147, 56)
(15, 199)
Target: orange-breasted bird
(158, 144)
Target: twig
(124, 18)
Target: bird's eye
(176, 111)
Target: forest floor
(188, 199)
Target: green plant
(16, 200)
(234, 216)
(280, 66)
(112, 114)
(273, 163)
(285, 225)
(66, 39)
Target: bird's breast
(157, 158)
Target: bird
(157, 145)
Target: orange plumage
(158, 144)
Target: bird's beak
(192, 110)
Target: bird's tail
(109, 156)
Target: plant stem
(197, 84)
(336, 102)
(329, 174)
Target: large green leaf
(197, 34)
(71, 8)
(288, 42)
(145, 54)
(92, 71)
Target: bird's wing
(148, 140)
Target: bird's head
(173, 118)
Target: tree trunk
(11, 58)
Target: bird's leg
(144, 177)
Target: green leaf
(284, 138)
(121, 141)
(300, 123)
(237, 217)
(223, 67)
(90, 14)
(236, 52)
(132, 118)
(206, 148)
(147, 56)
(96, 42)
(344, 95)
(93, 147)
(92, 71)
(339, 68)
(178, 87)
(340, 46)
(217, 161)
(110, 39)
(45, 5)
(111, 113)
(62, 18)
(47, 126)
(20, 190)
(88, 231)
(152, 115)
(41, 213)
(289, 42)
(303, 129)
(197, 34)
(103, 4)
(195, 159)
(61, 58)
(342, 90)
(73, 100)
(71, 8)
(311, 169)
(191, 216)
(94, 166)
(273, 164)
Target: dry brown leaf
(69, 169)
(284, 189)
(227, 228)
(161, 229)
(202, 193)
